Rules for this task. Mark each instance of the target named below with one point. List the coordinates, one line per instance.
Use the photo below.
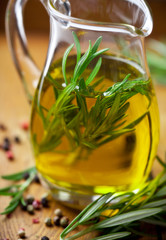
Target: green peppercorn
(64, 221)
(29, 199)
(13, 190)
(48, 222)
(58, 212)
(30, 209)
(21, 232)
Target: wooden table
(14, 110)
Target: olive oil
(118, 165)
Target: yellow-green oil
(119, 165)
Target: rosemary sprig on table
(121, 213)
(16, 190)
(87, 129)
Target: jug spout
(134, 15)
(123, 24)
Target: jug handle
(24, 63)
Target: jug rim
(144, 31)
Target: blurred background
(40, 22)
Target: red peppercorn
(10, 155)
(9, 215)
(35, 220)
(36, 204)
(25, 125)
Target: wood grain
(14, 110)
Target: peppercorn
(23, 207)
(25, 126)
(17, 139)
(35, 220)
(6, 139)
(64, 221)
(45, 202)
(29, 199)
(21, 232)
(36, 204)
(9, 215)
(13, 190)
(47, 195)
(10, 155)
(56, 221)
(6, 145)
(2, 127)
(26, 175)
(45, 238)
(30, 209)
(58, 212)
(48, 222)
(36, 179)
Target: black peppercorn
(26, 175)
(44, 238)
(56, 221)
(36, 179)
(17, 139)
(6, 145)
(6, 139)
(45, 202)
(23, 207)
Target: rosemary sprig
(119, 212)
(87, 129)
(16, 190)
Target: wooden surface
(15, 109)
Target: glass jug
(94, 121)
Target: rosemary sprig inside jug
(87, 128)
